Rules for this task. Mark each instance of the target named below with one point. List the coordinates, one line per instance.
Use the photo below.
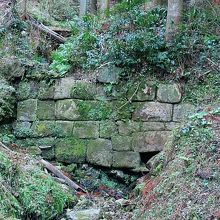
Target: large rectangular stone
(169, 93)
(108, 129)
(127, 159)
(26, 110)
(153, 126)
(66, 128)
(181, 111)
(46, 110)
(45, 129)
(149, 141)
(86, 129)
(153, 111)
(83, 90)
(128, 127)
(66, 110)
(99, 152)
(46, 91)
(70, 150)
(121, 143)
(63, 88)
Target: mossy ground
(27, 192)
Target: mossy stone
(65, 127)
(67, 110)
(46, 91)
(99, 152)
(70, 150)
(109, 74)
(23, 129)
(27, 90)
(46, 110)
(122, 143)
(169, 93)
(46, 128)
(108, 129)
(94, 110)
(128, 127)
(86, 129)
(83, 90)
(26, 110)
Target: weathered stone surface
(142, 92)
(66, 110)
(149, 141)
(83, 90)
(121, 143)
(63, 88)
(128, 127)
(70, 150)
(108, 74)
(126, 159)
(23, 129)
(27, 90)
(87, 214)
(99, 152)
(45, 129)
(26, 110)
(46, 91)
(171, 125)
(66, 128)
(169, 93)
(153, 126)
(153, 111)
(86, 129)
(181, 111)
(46, 110)
(108, 129)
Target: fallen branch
(59, 174)
(45, 29)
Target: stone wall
(104, 123)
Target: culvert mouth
(146, 156)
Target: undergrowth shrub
(135, 40)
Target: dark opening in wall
(145, 157)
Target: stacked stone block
(76, 121)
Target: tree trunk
(83, 7)
(174, 13)
(104, 5)
(93, 4)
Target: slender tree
(93, 6)
(174, 13)
(83, 7)
(104, 5)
